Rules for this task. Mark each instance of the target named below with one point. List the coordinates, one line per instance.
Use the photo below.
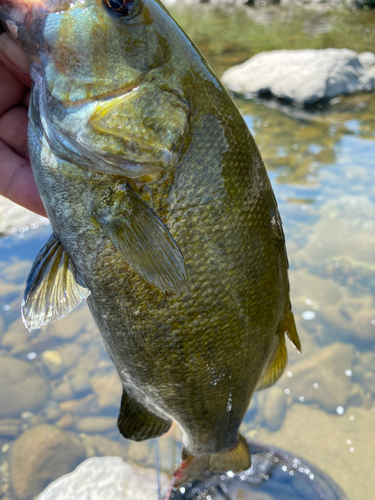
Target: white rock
(302, 76)
(108, 478)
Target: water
(321, 168)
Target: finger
(14, 58)
(13, 130)
(17, 181)
(11, 90)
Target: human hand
(16, 178)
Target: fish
(163, 217)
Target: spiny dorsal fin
(142, 238)
(291, 331)
(52, 289)
(135, 422)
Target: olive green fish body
(158, 195)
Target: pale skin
(16, 178)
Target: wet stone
(108, 389)
(70, 326)
(53, 363)
(92, 425)
(101, 446)
(10, 427)
(336, 444)
(273, 406)
(62, 392)
(52, 411)
(67, 421)
(80, 383)
(41, 455)
(321, 378)
(70, 353)
(21, 388)
(16, 337)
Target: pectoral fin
(142, 238)
(52, 287)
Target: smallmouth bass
(163, 218)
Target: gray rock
(21, 388)
(302, 76)
(41, 455)
(105, 478)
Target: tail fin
(235, 459)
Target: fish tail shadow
(236, 459)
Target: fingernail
(10, 49)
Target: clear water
(322, 170)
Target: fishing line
(157, 460)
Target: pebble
(62, 392)
(21, 387)
(104, 447)
(10, 427)
(274, 408)
(53, 362)
(70, 326)
(70, 353)
(67, 421)
(93, 425)
(108, 389)
(322, 438)
(321, 377)
(39, 456)
(80, 383)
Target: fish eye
(123, 8)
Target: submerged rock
(41, 455)
(302, 76)
(21, 388)
(108, 388)
(338, 445)
(105, 478)
(321, 378)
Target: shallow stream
(321, 165)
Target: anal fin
(52, 289)
(137, 423)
